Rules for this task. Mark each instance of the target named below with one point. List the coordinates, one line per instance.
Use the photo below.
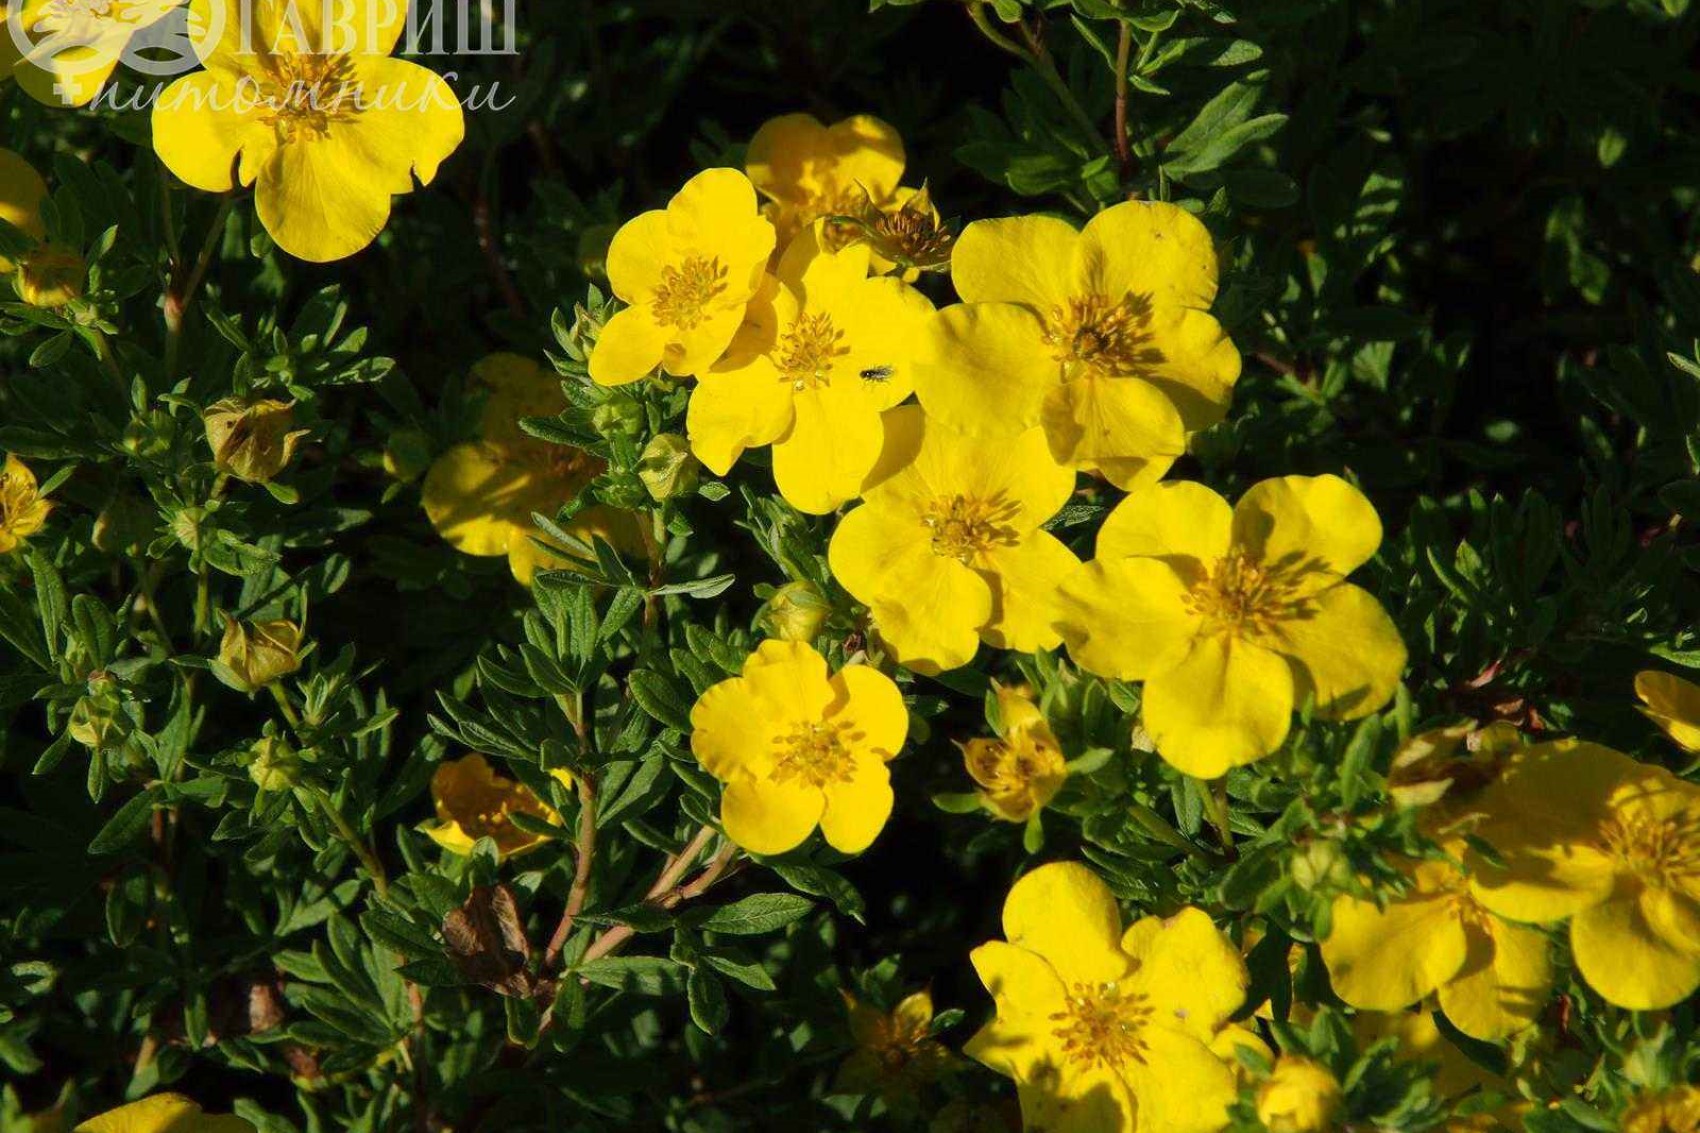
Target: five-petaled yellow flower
(474, 802)
(74, 45)
(23, 509)
(1299, 1096)
(1103, 336)
(823, 354)
(1584, 832)
(1021, 771)
(808, 170)
(686, 273)
(1673, 704)
(895, 1055)
(1493, 977)
(163, 1113)
(1104, 1030)
(480, 495)
(315, 114)
(1676, 1110)
(947, 550)
(1232, 616)
(798, 748)
(21, 192)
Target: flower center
(966, 526)
(682, 298)
(304, 93)
(1100, 335)
(1242, 595)
(20, 504)
(1662, 852)
(815, 754)
(1102, 1025)
(806, 351)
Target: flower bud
(1320, 864)
(51, 276)
(408, 455)
(151, 434)
(254, 654)
(125, 525)
(617, 418)
(274, 765)
(796, 612)
(252, 440)
(667, 467)
(1300, 1096)
(98, 720)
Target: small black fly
(877, 374)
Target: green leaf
(707, 1000)
(762, 912)
(642, 975)
(126, 824)
(658, 696)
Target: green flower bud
(275, 765)
(52, 276)
(252, 440)
(254, 654)
(1320, 864)
(667, 468)
(796, 612)
(98, 720)
(618, 418)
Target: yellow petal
(317, 204)
(985, 368)
(409, 124)
(735, 723)
(765, 817)
(199, 130)
(1191, 973)
(924, 462)
(1198, 367)
(1025, 580)
(1027, 993)
(1149, 248)
(1090, 1101)
(1503, 991)
(832, 446)
(529, 551)
(475, 499)
(1348, 651)
(21, 193)
(869, 152)
(1227, 704)
(638, 254)
(72, 76)
(163, 1113)
(1386, 959)
(1319, 522)
(1175, 518)
(1019, 259)
(629, 347)
(735, 410)
(1180, 1085)
(1126, 618)
(794, 157)
(882, 321)
(856, 811)
(1065, 913)
(1623, 955)
(694, 349)
(871, 704)
(1673, 704)
(1125, 428)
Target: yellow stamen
(1103, 1025)
(1100, 335)
(686, 290)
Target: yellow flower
(1022, 772)
(1234, 616)
(480, 495)
(1102, 336)
(1673, 704)
(808, 170)
(21, 192)
(1587, 833)
(474, 802)
(798, 748)
(23, 509)
(163, 1113)
(51, 276)
(1299, 1096)
(1676, 1110)
(895, 1056)
(686, 273)
(252, 439)
(254, 654)
(1102, 1030)
(947, 551)
(326, 137)
(75, 44)
(1493, 977)
(823, 354)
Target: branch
(581, 871)
(1124, 49)
(671, 897)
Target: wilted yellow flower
(904, 233)
(21, 192)
(1448, 764)
(1493, 977)
(254, 654)
(50, 276)
(796, 612)
(895, 1055)
(1021, 772)
(75, 45)
(23, 509)
(315, 115)
(1101, 336)
(1676, 1110)
(809, 170)
(1673, 704)
(1299, 1096)
(480, 495)
(948, 551)
(822, 355)
(252, 439)
(163, 1113)
(1584, 832)
(799, 748)
(1233, 616)
(1102, 1030)
(474, 802)
(686, 273)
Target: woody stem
(184, 284)
(581, 872)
